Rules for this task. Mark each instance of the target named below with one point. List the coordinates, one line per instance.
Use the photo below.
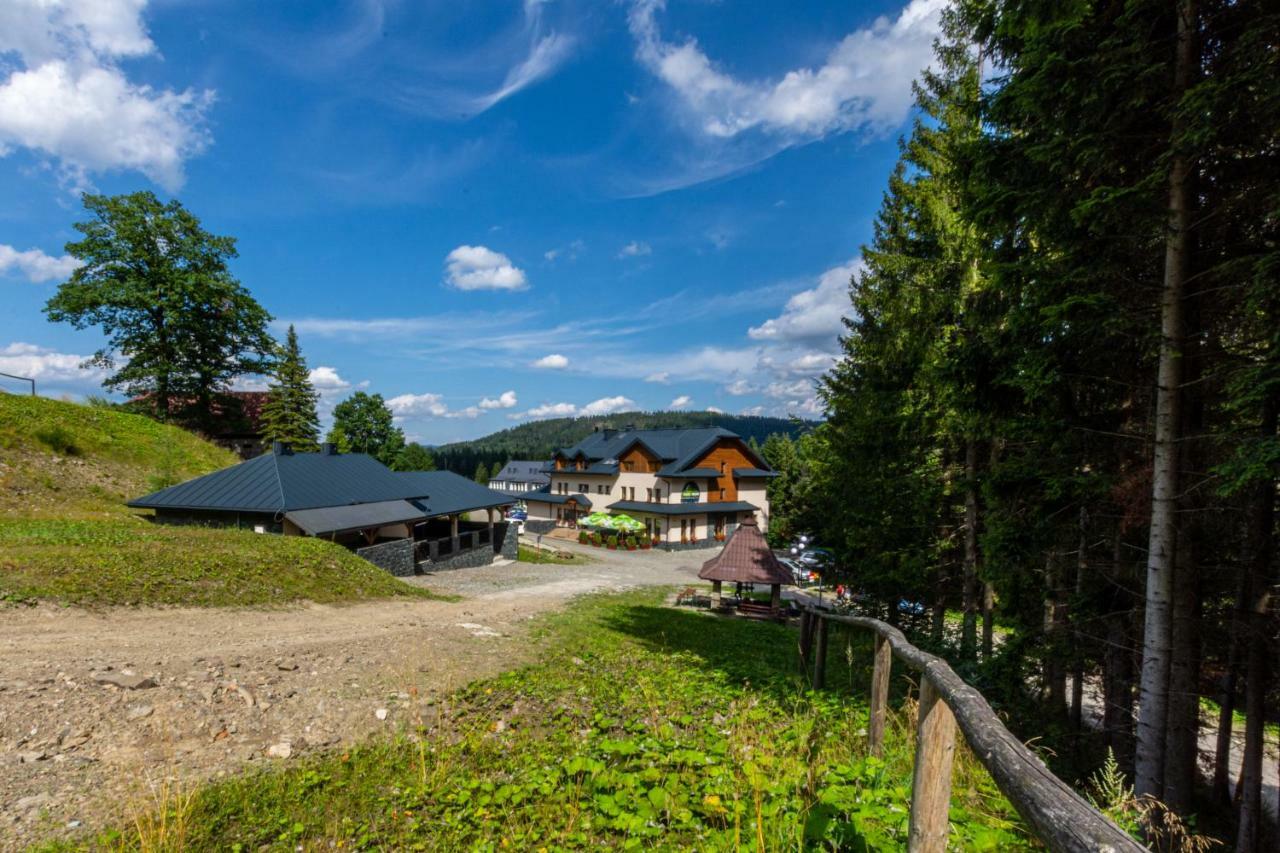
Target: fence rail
(1060, 817)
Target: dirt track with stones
(97, 707)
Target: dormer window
(628, 465)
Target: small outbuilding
(747, 558)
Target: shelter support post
(879, 695)
(453, 526)
(820, 655)
(716, 600)
(775, 598)
(931, 782)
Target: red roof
(746, 558)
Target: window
(722, 494)
(628, 465)
(584, 488)
(657, 494)
(654, 466)
(721, 466)
(648, 495)
(608, 490)
(690, 494)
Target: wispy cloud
(596, 408)
(635, 249)
(63, 371)
(554, 361)
(680, 402)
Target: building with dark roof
(349, 498)
(690, 487)
(519, 476)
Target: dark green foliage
(362, 423)
(158, 286)
(289, 415)
(414, 457)
(539, 439)
(58, 439)
(482, 474)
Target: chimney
(281, 448)
(608, 433)
(329, 449)
(629, 428)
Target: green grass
(67, 460)
(535, 555)
(641, 726)
(132, 561)
(1211, 710)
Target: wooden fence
(1059, 817)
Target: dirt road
(97, 706)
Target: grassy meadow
(66, 470)
(641, 726)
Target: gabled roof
(545, 495)
(754, 472)
(447, 493)
(746, 558)
(283, 482)
(678, 447)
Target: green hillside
(66, 470)
(538, 439)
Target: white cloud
(546, 54)
(35, 264)
(67, 99)
(481, 268)
(606, 406)
(714, 410)
(865, 81)
(555, 361)
(815, 314)
(505, 400)
(752, 410)
(547, 410)
(596, 408)
(45, 366)
(635, 249)
(739, 387)
(418, 405)
(662, 377)
(798, 388)
(680, 402)
(327, 381)
(569, 252)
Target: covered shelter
(747, 558)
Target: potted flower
(631, 543)
(645, 543)
(595, 539)
(613, 542)
(583, 537)
(719, 535)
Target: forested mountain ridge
(539, 439)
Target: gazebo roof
(746, 558)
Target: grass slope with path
(639, 726)
(66, 470)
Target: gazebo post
(715, 595)
(775, 597)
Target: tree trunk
(1153, 708)
(1117, 713)
(988, 619)
(969, 630)
(1260, 644)
(1077, 651)
(1226, 712)
(1182, 734)
(1055, 677)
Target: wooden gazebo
(747, 558)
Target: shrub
(58, 439)
(583, 537)
(631, 543)
(595, 539)
(613, 541)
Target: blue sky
(486, 212)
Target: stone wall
(700, 545)
(395, 556)
(473, 559)
(533, 527)
(510, 539)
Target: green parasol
(622, 521)
(598, 519)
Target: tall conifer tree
(289, 414)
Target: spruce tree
(289, 414)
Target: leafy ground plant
(641, 726)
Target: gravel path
(97, 707)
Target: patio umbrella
(599, 519)
(622, 521)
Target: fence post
(879, 695)
(931, 780)
(820, 655)
(806, 618)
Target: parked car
(910, 608)
(799, 572)
(817, 559)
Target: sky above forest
(486, 212)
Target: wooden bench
(755, 610)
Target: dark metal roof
(678, 448)
(683, 509)
(691, 472)
(746, 558)
(283, 482)
(545, 496)
(447, 493)
(754, 472)
(522, 471)
(339, 519)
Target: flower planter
(612, 547)
(631, 547)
